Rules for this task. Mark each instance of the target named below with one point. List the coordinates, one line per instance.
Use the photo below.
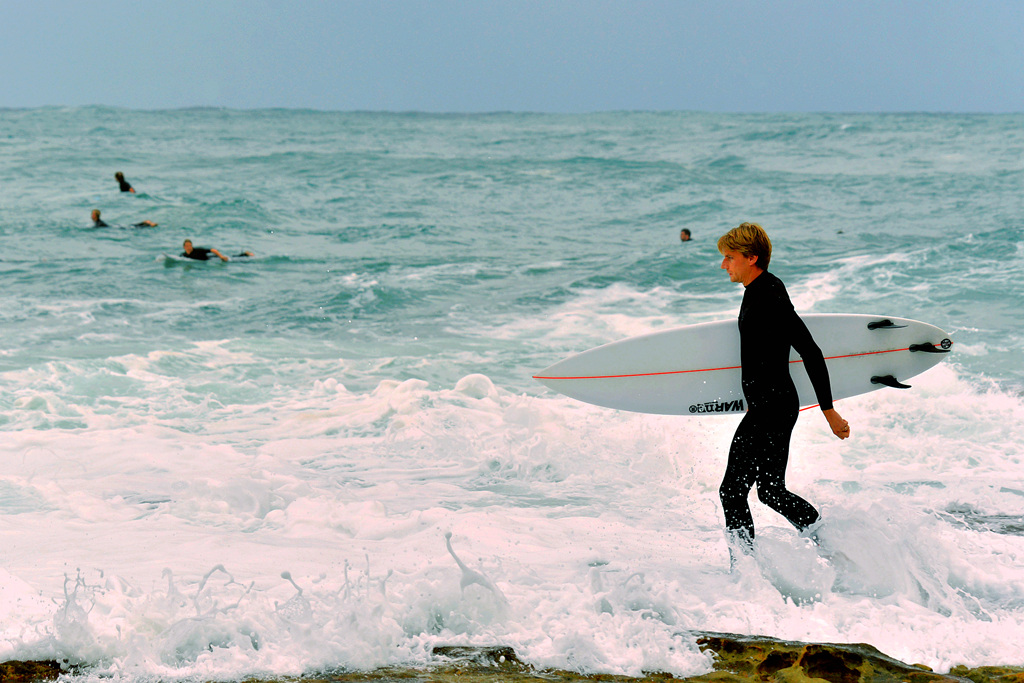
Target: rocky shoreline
(739, 659)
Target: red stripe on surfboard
(731, 367)
(641, 374)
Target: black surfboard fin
(885, 324)
(889, 381)
(929, 348)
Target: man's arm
(219, 255)
(814, 361)
(817, 371)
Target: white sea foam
(585, 538)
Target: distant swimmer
(97, 222)
(125, 187)
(203, 254)
(684, 235)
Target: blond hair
(749, 239)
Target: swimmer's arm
(219, 255)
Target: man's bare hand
(839, 426)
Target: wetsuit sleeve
(814, 361)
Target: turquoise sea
(269, 466)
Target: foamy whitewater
(333, 456)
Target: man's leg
(771, 473)
(740, 474)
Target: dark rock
(990, 674)
(500, 656)
(767, 659)
(738, 659)
(29, 672)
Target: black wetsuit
(201, 254)
(99, 224)
(198, 253)
(125, 187)
(769, 326)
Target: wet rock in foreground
(738, 659)
(28, 672)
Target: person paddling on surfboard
(203, 254)
(98, 222)
(769, 327)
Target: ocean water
(332, 455)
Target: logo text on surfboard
(718, 407)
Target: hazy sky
(516, 55)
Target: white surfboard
(695, 370)
(170, 259)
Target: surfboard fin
(928, 348)
(884, 324)
(889, 381)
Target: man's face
(740, 268)
(187, 246)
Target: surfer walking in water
(769, 327)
